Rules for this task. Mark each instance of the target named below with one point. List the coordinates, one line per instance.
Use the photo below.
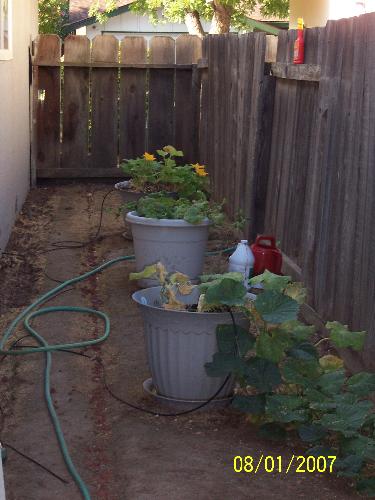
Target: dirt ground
(120, 452)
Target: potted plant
(181, 321)
(170, 222)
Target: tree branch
(193, 23)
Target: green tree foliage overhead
(53, 14)
(223, 14)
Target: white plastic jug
(242, 261)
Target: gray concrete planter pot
(178, 345)
(127, 196)
(180, 246)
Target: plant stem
(321, 340)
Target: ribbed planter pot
(180, 246)
(178, 345)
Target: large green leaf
(331, 382)
(304, 351)
(314, 396)
(301, 372)
(272, 344)
(274, 307)
(286, 408)
(366, 487)
(226, 339)
(361, 384)
(272, 432)
(359, 445)
(341, 337)
(347, 418)
(224, 364)
(311, 433)
(228, 292)
(262, 374)
(299, 331)
(320, 451)
(271, 281)
(332, 401)
(349, 466)
(250, 404)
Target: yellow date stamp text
(297, 464)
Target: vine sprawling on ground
(285, 385)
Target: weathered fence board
(47, 50)
(290, 163)
(232, 119)
(104, 143)
(187, 97)
(76, 104)
(161, 96)
(132, 99)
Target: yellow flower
(149, 157)
(200, 170)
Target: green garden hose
(27, 315)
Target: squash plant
(286, 385)
(171, 190)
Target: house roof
(79, 9)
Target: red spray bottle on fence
(299, 44)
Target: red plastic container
(267, 255)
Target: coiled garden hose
(27, 315)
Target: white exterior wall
(318, 12)
(15, 118)
(135, 24)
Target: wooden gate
(98, 102)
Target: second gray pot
(178, 345)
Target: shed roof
(79, 9)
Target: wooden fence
(319, 198)
(105, 101)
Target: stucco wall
(314, 13)
(317, 12)
(14, 118)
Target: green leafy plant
(161, 206)
(286, 385)
(160, 172)
(172, 191)
(172, 284)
